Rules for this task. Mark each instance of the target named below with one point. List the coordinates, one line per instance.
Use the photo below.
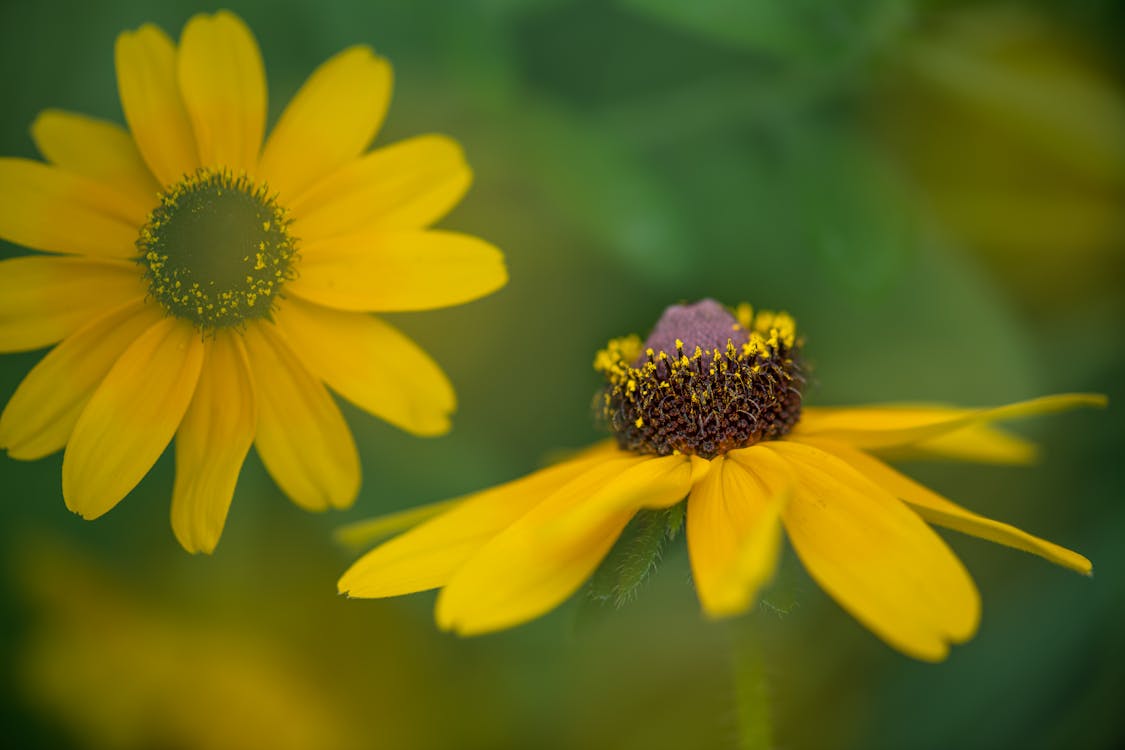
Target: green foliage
(636, 555)
(802, 30)
(857, 219)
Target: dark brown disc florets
(705, 381)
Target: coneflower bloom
(710, 409)
(206, 282)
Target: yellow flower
(208, 286)
(709, 408)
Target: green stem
(751, 688)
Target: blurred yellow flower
(208, 286)
(710, 408)
(120, 674)
(1014, 131)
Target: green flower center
(705, 382)
(217, 250)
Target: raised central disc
(217, 250)
(705, 382)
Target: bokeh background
(934, 189)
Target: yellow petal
(45, 299)
(362, 534)
(427, 556)
(876, 557)
(302, 437)
(890, 426)
(541, 559)
(370, 363)
(408, 185)
(982, 443)
(150, 98)
(331, 121)
(212, 443)
(46, 208)
(44, 409)
(937, 510)
(653, 482)
(131, 417)
(398, 271)
(98, 149)
(734, 531)
(223, 83)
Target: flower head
(704, 382)
(709, 409)
(206, 282)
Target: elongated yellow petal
(408, 185)
(937, 510)
(302, 437)
(982, 443)
(398, 271)
(101, 150)
(44, 409)
(331, 120)
(876, 557)
(734, 529)
(427, 556)
(370, 363)
(541, 559)
(131, 417)
(150, 98)
(363, 534)
(223, 83)
(212, 443)
(654, 482)
(47, 208)
(44, 299)
(889, 426)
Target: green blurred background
(933, 189)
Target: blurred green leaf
(612, 193)
(853, 208)
(811, 30)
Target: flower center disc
(217, 250)
(705, 382)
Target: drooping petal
(150, 98)
(331, 120)
(655, 482)
(361, 535)
(734, 529)
(44, 299)
(937, 510)
(541, 559)
(982, 443)
(131, 417)
(874, 427)
(876, 557)
(212, 443)
(408, 185)
(49, 209)
(223, 83)
(427, 556)
(370, 363)
(41, 415)
(302, 437)
(398, 271)
(101, 150)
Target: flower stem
(751, 688)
